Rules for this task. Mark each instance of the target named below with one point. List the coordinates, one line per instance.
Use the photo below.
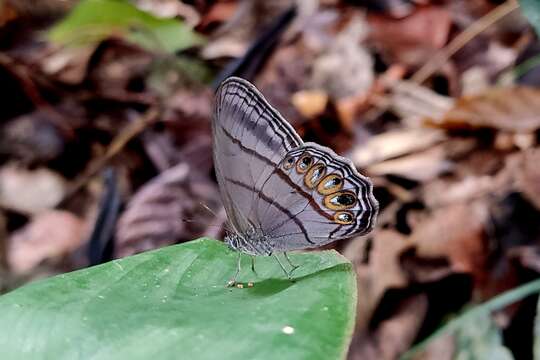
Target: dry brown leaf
(451, 240)
(394, 335)
(40, 9)
(423, 166)
(7, 13)
(170, 9)
(475, 81)
(514, 109)
(392, 144)
(381, 272)
(167, 210)
(348, 108)
(411, 40)
(442, 192)
(345, 68)
(310, 103)
(30, 191)
(67, 64)
(249, 19)
(49, 235)
(115, 65)
(410, 100)
(35, 137)
(285, 73)
(194, 105)
(218, 13)
(528, 176)
(527, 256)
(441, 348)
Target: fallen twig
(118, 143)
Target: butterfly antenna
(199, 222)
(204, 206)
(224, 224)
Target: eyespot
(303, 164)
(344, 217)
(330, 184)
(288, 162)
(314, 175)
(340, 201)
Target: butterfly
(279, 193)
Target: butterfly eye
(314, 174)
(340, 201)
(344, 217)
(304, 163)
(330, 184)
(288, 163)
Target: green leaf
(93, 20)
(172, 303)
(531, 10)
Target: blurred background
(105, 142)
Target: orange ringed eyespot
(288, 162)
(330, 184)
(314, 175)
(304, 163)
(341, 200)
(344, 217)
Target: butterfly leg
(253, 264)
(288, 273)
(232, 282)
(294, 267)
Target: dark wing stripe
(262, 104)
(264, 136)
(279, 131)
(280, 173)
(284, 222)
(334, 231)
(246, 149)
(263, 109)
(276, 205)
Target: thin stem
(462, 39)
(496, 303)
(118, 143)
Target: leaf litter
(416, 93)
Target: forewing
(250, 138)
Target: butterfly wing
(250, 139)
(317, 197)
(297, 195)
